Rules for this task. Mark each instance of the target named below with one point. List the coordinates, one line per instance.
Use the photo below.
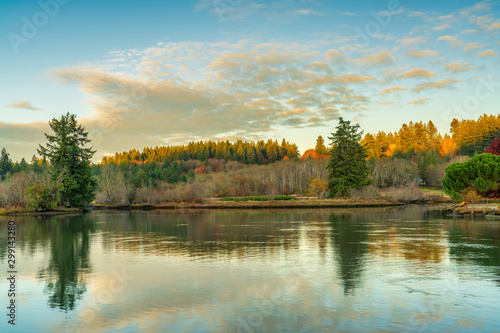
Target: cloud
(441, 27)
(254, 88)
(422, 54)
(416, 13)
(386, 103)
(417, 72)
(392, 89)
(353, 78)
(414, 40)
(23, 105)
(494, 26)
(450, 39)
(306, 12)
(488, 53)
(21, 139)
(381, 58)
(458, 67)
(435, 85)
(477, 7)
(419, 101)
(472, 46)
(346, 13)
(471, 31)
(335, 56)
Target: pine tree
(347, 168)
(70, 161)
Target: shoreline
(295, 204)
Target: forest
(399, 162)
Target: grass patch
(284, 197)
(256, 198)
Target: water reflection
(476, 242)
(213, 270)
(69, 264)
(349, 235)
(67, 241)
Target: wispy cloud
(488, 53)
(347, 13)
(441, 27)
(422, 54)
(453, 41)
(416, 73)
(435, 85)
(306, 12)
(458, 67)
(24, 105)
(392, 89)
(420, 101)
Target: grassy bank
(250, 204)
(20, 211)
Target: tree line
(468, 137)
(247, 152)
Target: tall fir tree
(347, 167)
(70, 161)
(5, 164)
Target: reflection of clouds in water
(304, 270)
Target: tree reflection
(350, 242)
(477, 242)
(69, 262)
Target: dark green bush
(481, 173)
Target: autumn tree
(70, 161)
(317, 186)
(320, 147)
(493, 147)
(347, 168)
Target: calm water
(399, 269)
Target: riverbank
(256, 205)
(248, 203)
(23, 211)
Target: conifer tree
(70, 161)
(347, 168)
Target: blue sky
(166, 72)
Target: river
(318, 270)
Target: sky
(151, 73)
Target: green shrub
(284, 197)
(42, 196)
(481, 173)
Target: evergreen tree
(347, 168)
(70, 161)
(5, 164)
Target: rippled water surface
(362, 270)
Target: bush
(42, 196)
(191, 193)
(284, 198)
(365, 193)
(317, 187)
(481, 173)
(409, 193)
